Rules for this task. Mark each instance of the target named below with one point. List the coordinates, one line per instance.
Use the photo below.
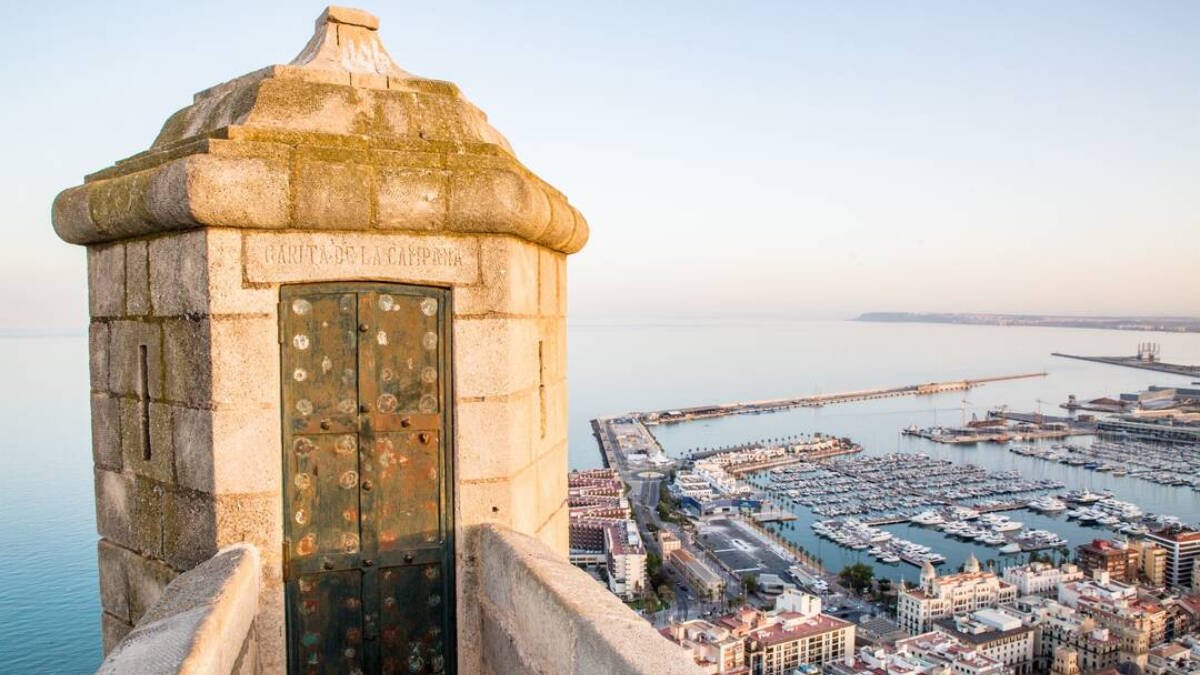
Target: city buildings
(933, 653)
(704, 581)
(878, 631)
(1182, 546)
(1119, 559)
(1138, 624)
(1174, 658)
(601, 530)
(716, 649)
(626, 559)
(948, 595)
(1040, 578)
(667, 543)
(1154, 564)
(998, 635)
(794, 637)
(1066, 640)
(1066, 662)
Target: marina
(889, 487)
(875, 426)
(1177, 466)
(1045, 527)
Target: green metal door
(369, 551)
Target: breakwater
(815, 400)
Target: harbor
(875, 425)
(889, 487)
(938, 500)
(1164, 465)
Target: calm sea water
(49, 609)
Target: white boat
(1047, 504)
(1083, 496)
(927, 518)
(963, 513)
(1008, 526)
(890, 558)
(1072, 514)
(1011, 548)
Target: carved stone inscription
(286, 257)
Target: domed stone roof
(340, 138)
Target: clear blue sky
(799, 158)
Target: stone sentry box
(339, 167)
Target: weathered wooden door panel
(367, 490)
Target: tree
(666, 595)
(749, 583)
(857, 576)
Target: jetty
(1137, 362)
(816, 400)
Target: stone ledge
(540, 614)
(236, 187)
(201, 622)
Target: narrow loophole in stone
(144, 399)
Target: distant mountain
(1174, 324)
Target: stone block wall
(185, 412)
(185, 355)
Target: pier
(1071, 426)
(1136, 362)
(816, 400)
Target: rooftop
(794, 626)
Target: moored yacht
(1084, 496)
(1047, 504)
(930, 518)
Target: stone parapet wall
(540, 614)
(203, 622)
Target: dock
(816, 400)
(774, 515)
(1135, 362)
(1072, 426)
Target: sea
(49, 606)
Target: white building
(792, 600)
(1183, 547)
(626, 559)
(1041, 578)
(1100, 588)
(945, 596)
(997, 634)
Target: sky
(796, 158)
